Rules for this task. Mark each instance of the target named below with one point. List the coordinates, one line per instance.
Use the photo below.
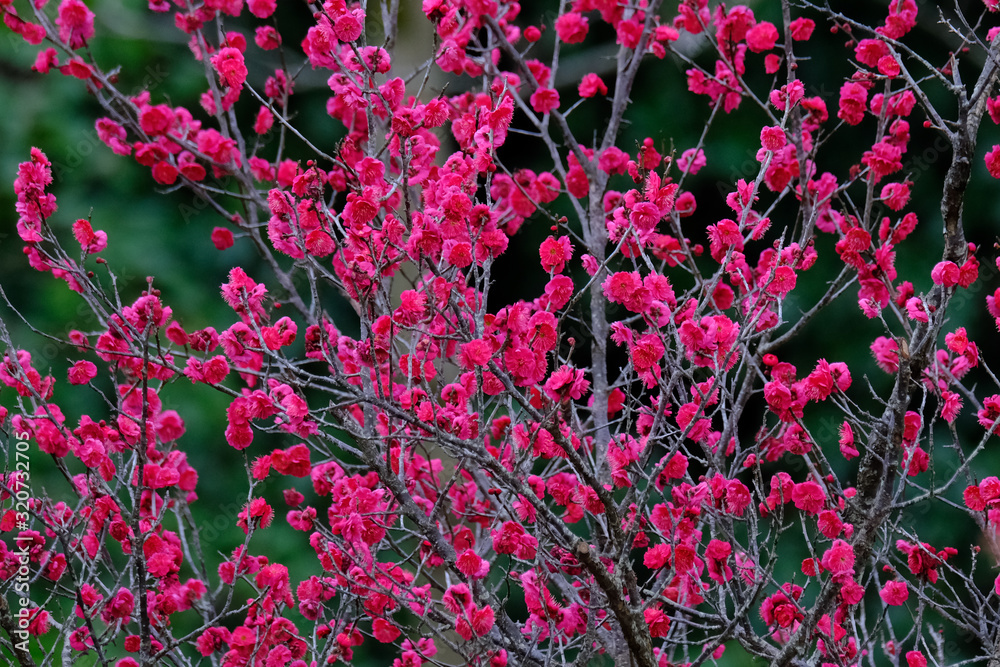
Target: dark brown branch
(9, 626)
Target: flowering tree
(628, 467)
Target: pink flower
(592, 85)
(475, 353)
(829, 523)
(853, 99)
(993, 161)
(883, 159)
(990, 412)
(788, 95)
(46, 60)
(894, 593)
(262, 8)
(620, 287)
(264, 121)
(76, 23)
(471, 565)
(657, 556)
(165, 173)
(886, 351)
(572, 27)
(613, 160)
(349, 26)
(945, 273)
(851, 592)
(213, 639)
(809, 497)
(762, 37)
(243, 294)
(915, 309)
(228, 62)
(566, 383)
(868, 51)
(896, 195)
(257, 513)
(511, 538)
(545, 100)
(772, 138)
(293, 461)
(384, 631)
(119, 607)
(554, 253)
(691, 161)
(658, 622)
(782, 282)
(888, 66)
(802, 29)
(82, 372)
(91, 241)
(846, 442)
(222, 238)
(215, 369)
(559, 291)
(951, 404)
(267, 37)
(482, 620)
(902, 18)
(162, 557)
(839, 559)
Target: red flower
(839, 559)
(853, 98)
(802, 29)
(993, 161)
(809, 497)
(262, 9)
(772, 138)
(657, 556)
(762, 37)
(545, 100)
(119, 607)
(257, 512)
(554, 253)
(349, 25)
(868, 51)
(76, 23)
(384, 631)
(592, 85)
(782, 282)
(846, 442)
(922, 559)
(894, 593)
(228, 62)
(658, 622)
(572, 27)
(293, 462)
(471, 565)
(883, 159)
(82, 372)
(566, 383)
(990, 412)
